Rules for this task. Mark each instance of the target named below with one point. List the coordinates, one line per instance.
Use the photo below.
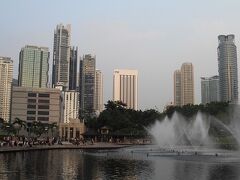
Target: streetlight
(46, 129)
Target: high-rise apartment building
(99, 91)
(210, 89)
(73, 68)
(87, 85)
(227, 68)
(184, 85)
(71, 102)
(61, 56)
(33, 67)
(187, 84)
(6, 75)
(125, 87)
(177, 88)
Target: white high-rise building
(71, 99)
(184, 85)
(177, 88)
(6, 76)
(99, 91)
(210, 89)
(125, 87)
(187, 84)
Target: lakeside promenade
(95, 146)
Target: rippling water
(129, 163)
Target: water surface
(129, 163)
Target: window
(32, 95)
(31, 100)
(31, 112)
(43, 112)
(29, 106)
(43, 95)
(43, 101)
(31, 118)
(43, 118)
(43, 107)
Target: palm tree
(38, 128)
(52, 126)
(18, 124)
(8, 128)
(1, 122)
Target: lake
(139, 162)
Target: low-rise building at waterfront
(36, 104)
(71, 130)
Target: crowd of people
(22, 141)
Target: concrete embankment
(96, 146)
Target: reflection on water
(120, 164)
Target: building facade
(87, 85)
(99, 92)
(177, 88)
(210, 89)
(33, 67)
(61, 55)
(73, 68)
(71, 130)
(71, 102)
(227, 68)
(6, 76)
(36, 104)
(187, 84)
(125, 87)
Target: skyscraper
(187, 84)
(87, 85)
(61, 56)
(33, 67)
(210, 89)
(6, 75)
(227, 68)
(99, 91)
(125, 87)
(73, 68)
(177, 88)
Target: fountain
(180, 131)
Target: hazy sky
(153, 36)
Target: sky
(153, 36)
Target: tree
(8, 128)
(38, 128)
(53, 126)
(18, 124)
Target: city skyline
(126, 41)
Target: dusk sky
(153, 36)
